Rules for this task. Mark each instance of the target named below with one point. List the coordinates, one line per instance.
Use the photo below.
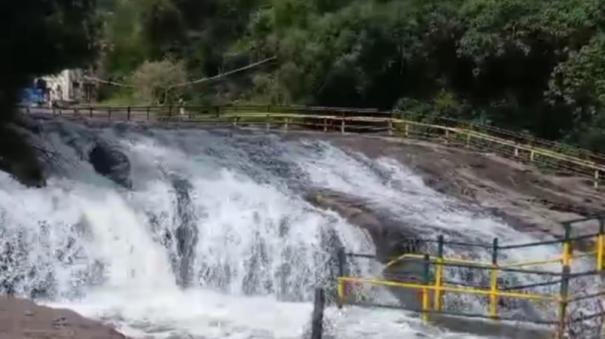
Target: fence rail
(350, 120)
(528, 139)
(434, 283)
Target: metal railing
(432, 282)
(525, 138)
(347, 120)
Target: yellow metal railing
(345, 120)
(493, 293)
(439, 288)
(438, 285)
(599, 251)
(425, 288)
(598, 254)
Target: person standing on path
(182, 108)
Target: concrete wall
(65, 86)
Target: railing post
(318, 314)
(468, 139)
(90, 111)
(596, 178)
(425, 291)
(341, 257)
(109, 113)
(342, 126)
(235, 121)
(170, 111)
(340, 291)
(438, 302)
(286, 124)
(563, 294)
(390, 126)
(493, 293)
(600, 244)
(341, 261)
(532, 155)
(325, 125)
(128, 113)
(267, 122)
(148, 112)
(406, 129)
(567, 245)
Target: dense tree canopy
(39, 37)
(531, 65)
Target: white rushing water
(215, 239)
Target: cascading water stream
(386, 185)
(214, 239)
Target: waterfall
(212, 237)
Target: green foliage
(579, 81)
(530, 65)
(154, 81)
(163, 28)
(123, 44)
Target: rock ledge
(23, 319)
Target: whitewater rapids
(214, 239)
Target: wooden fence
(544, 154)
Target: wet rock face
(110, 162)
(20, 155)
(186, 233)
(390, 240)
(21, 319)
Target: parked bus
(33, 97)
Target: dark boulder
(110, 162)
(20, 154)
(29, 123)
(390, 238)
(187, 232)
